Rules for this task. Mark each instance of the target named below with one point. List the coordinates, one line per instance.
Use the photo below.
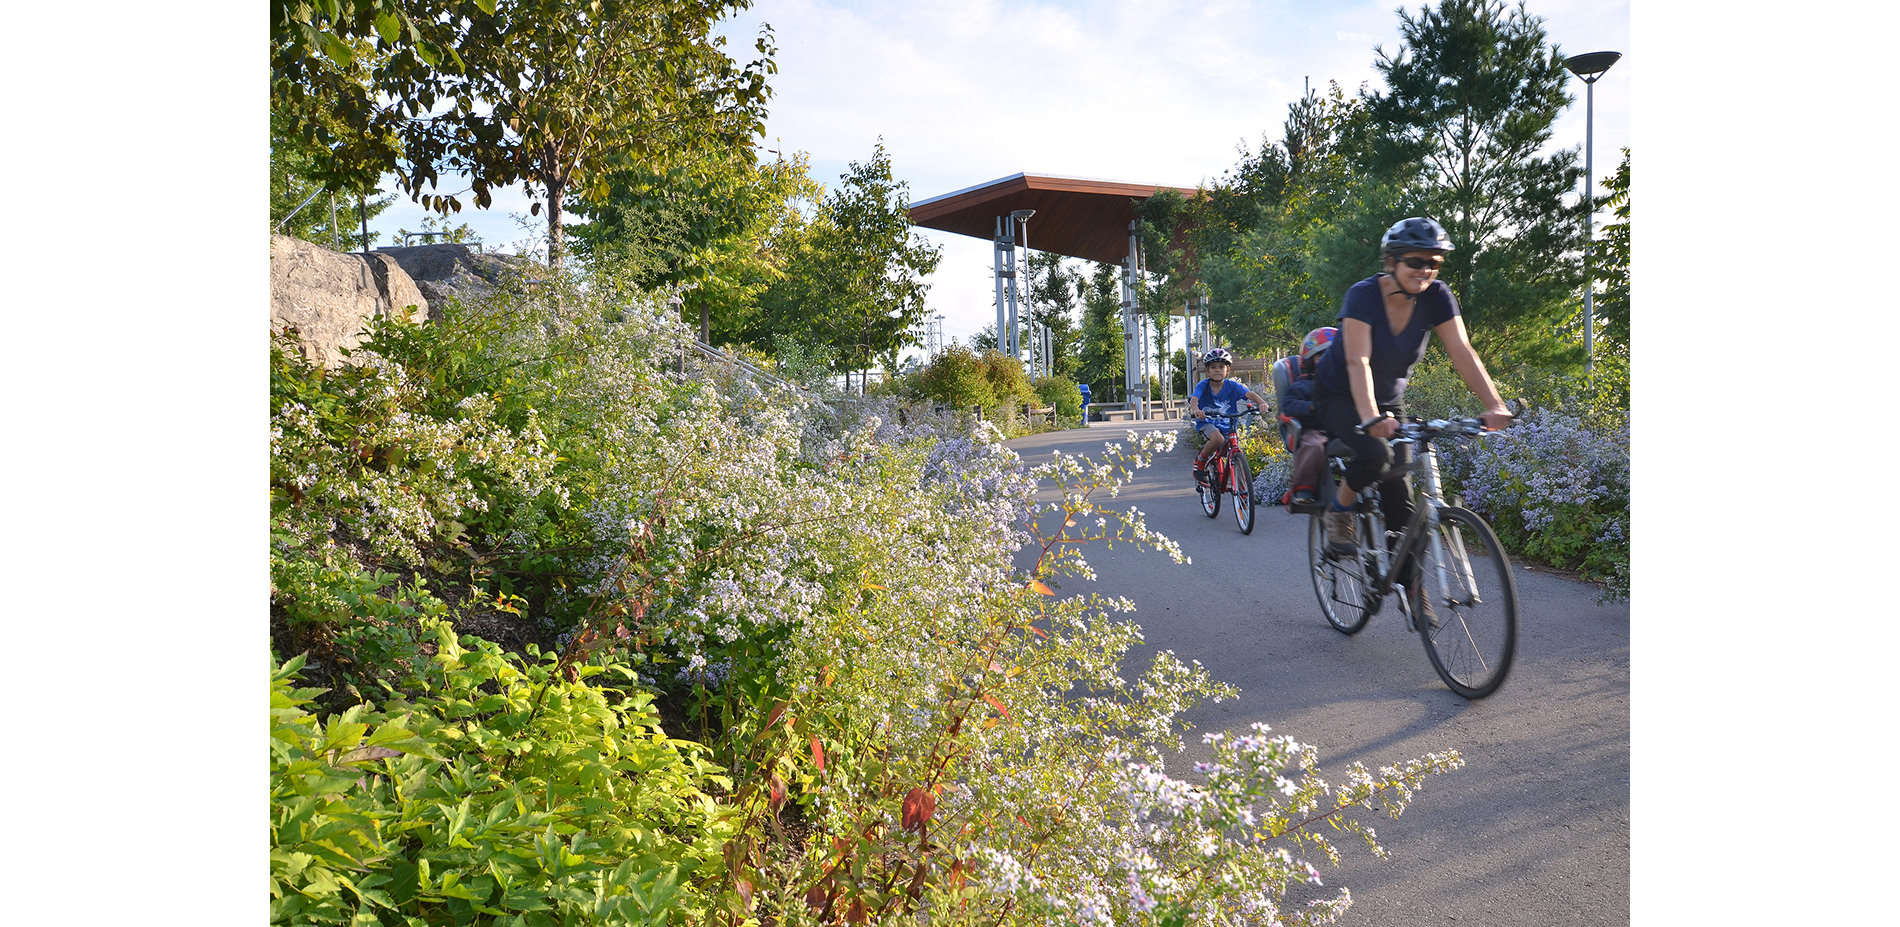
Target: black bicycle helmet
(1217, 356)
(1414, 234)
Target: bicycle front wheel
(1210, 489)
(1243, 494)
(1465, 604)
(1339, 583)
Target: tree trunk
(557, 236)
(556, 170)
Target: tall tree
(720, 238)
(1270, 283)
(854, 277)
(551, 94)
(1101, 356)
(1053, 293)
(1471, 98)
(331, 61)
(1610, 262)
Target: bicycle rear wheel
(1243, 494)
(1340, 583)
(1465, 605)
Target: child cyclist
(1218, 396)
(1309, 450)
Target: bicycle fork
(1426, 531)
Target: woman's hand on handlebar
(1501, 417)
(1384, 428)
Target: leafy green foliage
(853, 277)
(1054, 291)
(330, 61)
(510, 791)
(808, 365)
(719, 236)
(1610, 263)
(1007, 380)
(1060, 394)
(305, 204)
(1271, 266)
(1100, 361)
(548, 93)
(957, 378)
(433, 230)
(897, 717)
(1470, 101)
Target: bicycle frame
(1229, 456)
(1223, 479)
(1420, 528)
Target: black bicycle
(1463, 602)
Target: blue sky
(1165, 92)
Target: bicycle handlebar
(1441, 427)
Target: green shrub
(1009, 385)
(956, 378)
(510, 792)
(1061, 394)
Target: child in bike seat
(1309, 450)
(1219, 396)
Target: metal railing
(474, 243)
(293, 213)
(706, 352)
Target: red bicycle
(1227, 473)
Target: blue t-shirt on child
(1225, 402)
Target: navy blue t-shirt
(1393, 353)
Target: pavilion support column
(1129, 335)
(1005, 261)
(1133, 384)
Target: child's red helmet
(1316, 343)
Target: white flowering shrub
(354, 456)
(856, 609)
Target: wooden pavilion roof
(1075, 217)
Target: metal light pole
(1589, 67)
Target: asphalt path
(1535, 829)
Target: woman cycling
(1386, 321)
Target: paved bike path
(1533, 830)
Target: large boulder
(328, 297)
(448, 272)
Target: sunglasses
(1419, 263)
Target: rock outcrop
(328, 297)
(448, 272)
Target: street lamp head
(1021, 214)
(1592, 65)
